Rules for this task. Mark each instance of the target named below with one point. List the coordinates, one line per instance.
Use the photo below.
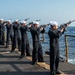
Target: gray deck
(10, 64)
(65, 67)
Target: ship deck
(10, 64)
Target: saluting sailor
(37, 53)
(25, 48)
(54, 35)
(16, 36)
(2, 29)
(9, 32)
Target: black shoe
(3, 44)
(6, 47)
(22, 56)
(57, 72)
(12, 51)
(52, 74)
(41, 61)
(28, 55)
(33, 63)
(19, 50)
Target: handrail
(66, 46)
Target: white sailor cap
(23, 21)
(53, 23)
(9, 21)
(1, 19)
(35, 22)
(16, 20)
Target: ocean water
(71, 44)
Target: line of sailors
(23, 42)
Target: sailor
(54, 35)
(25, 48)
(2, 37)
(9, 32)
(37, 53)
(16, 36)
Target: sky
(47, 10)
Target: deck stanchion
(66, 45)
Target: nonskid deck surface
(10, 64)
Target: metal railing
(66, 45)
